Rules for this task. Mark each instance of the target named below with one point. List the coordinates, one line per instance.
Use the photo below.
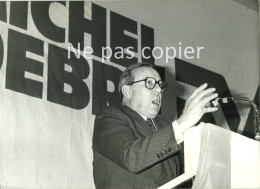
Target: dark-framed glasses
(150, 83)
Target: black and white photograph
(131, 94)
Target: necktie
(151, 124)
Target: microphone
(216, 102)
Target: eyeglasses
(150, 83)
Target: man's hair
(128, 77)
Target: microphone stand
(255, 108)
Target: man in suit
(133, 146)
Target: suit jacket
(129, 154)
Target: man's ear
(126, 91)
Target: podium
(219, 158)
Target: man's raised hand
(195, 106)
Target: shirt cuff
(177, 132)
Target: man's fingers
(203, 94)
(208, 99)
(196, 91)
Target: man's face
(146, 102)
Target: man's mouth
(156, 102)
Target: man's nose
(157, 89)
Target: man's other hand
(195, 107)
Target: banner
(60, 63)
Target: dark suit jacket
(129, 154)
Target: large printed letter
(62, 71)
(120, 24)
(19, 12)
(18, 64)
(103, 73)
(196, 76)
(147, 40)
(3, 11)
(41, 18)
(96, 27)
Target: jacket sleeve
(114, 139)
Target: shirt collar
(145, 118)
